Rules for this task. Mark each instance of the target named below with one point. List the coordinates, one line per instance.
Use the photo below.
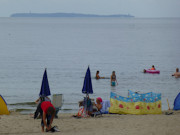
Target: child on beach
(86, 108)
(48, 112)
(113, 79)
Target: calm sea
(67, 46)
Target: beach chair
(57, 102)
(97, 113)
(104, 110)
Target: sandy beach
(114, 124)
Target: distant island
(67, 15)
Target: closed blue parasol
(87, 87)
(45, 90)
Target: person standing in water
(113, 79)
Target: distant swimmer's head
(152, 66)
(177, 69)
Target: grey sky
(138, 8)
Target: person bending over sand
(48, 112)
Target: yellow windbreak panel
(123, 105)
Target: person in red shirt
(48, 112)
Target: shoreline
(115, 124)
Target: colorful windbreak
(135, 103)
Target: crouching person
(48, 112)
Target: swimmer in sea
(97, 76)
(177, 73)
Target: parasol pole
(87, 95)
(168, 104)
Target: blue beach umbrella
(45, 90)
(177, 102)
(87, 87)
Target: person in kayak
(152, 68)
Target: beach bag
(80, 112)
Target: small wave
(22, 110)
(66, 109)
(24, 103)
(5, 96)
(32, 110)
(70, 103)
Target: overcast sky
(138, 8)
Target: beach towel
(105, 106)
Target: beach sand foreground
(114, 124)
